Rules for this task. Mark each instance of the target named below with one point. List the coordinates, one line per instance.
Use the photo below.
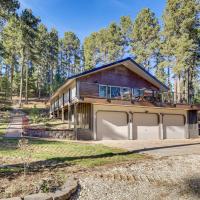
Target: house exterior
(123, 101)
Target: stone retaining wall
(67, 190)
(50, 133)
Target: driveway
(172, 172)
(157, 148)
(173, 177)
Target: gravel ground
(174, 177)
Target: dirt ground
(167, 147)
(174, 177)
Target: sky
(86, 16)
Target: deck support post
(58, 113)
(75, 120)
(63, 112)
(69, 116)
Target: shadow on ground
(193, 186)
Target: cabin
(123, 101)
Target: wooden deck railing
(92, 90)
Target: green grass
(65, 153)
(3, 127)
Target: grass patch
(3, 127)
(40, 117)
(50, 163)
(62, 153)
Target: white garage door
(145, 126)
(112, 125)
(174, 127)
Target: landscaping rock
(39, 196)
(70, 183)
(67, 190)
(61, 195)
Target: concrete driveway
(158, 148)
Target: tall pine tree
(145, 37)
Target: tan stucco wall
(132, 109)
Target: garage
(174, 126)
(112, 125)
(146, 126)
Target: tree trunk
(6, 81)
(39, 84)
(51, 81)
(168, 77)
(21, 79)
(11, 81)
(26, 96)
(179, 89)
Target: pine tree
(41, 61)
(126, 27)
(106, 45)
(145, 37)
(53, 43)
(181, 19)
(10, 38)
(71, 53)
(27, 34)
(114, 43)
(90, 51)
(7, 9)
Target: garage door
(174, 127)
(112, 125)
(145, 126)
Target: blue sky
(86, 16)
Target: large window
(115, 92)
(103, 91)
(66, 96)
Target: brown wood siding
(116, 76)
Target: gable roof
(129, 63)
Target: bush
(36, 115)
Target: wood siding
(117, 76)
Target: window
(73, 92)
(61, 101)
(136, 92)
(115, 92)
(66, 97)
(125, 93)
(103, 91)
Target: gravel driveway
(173, 177)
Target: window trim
(102, 85)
